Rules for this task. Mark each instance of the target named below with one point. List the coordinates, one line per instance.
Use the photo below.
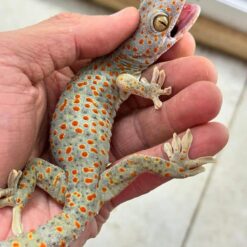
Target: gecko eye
(161, 22)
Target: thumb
(61, 40)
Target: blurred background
(207, 210)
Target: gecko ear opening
(174, 31)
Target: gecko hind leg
(151, 90)
(48, 177)
(179, 165)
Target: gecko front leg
(151, 90)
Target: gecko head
(162, 24)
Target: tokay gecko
(82, 179)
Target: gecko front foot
(156, 84)
(130, 84)
(178, 154)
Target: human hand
(37, 62)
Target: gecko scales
(81, 127)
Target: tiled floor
(175, 215)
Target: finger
(61, 40)
(195, 105)
(203, 70)
(208, 139)
(183, 48)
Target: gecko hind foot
(7, 199)
(178, 153)
(7, 195)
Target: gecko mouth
(186, 19)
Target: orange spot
(105, 106)
(61, 136)
(94, 150)
(101, 123)
(86, 125)
(61, 159)
(91, 197)
(98, 77)
(181, 169)
(84, 154)
(86, 118)
(40, 176)
(121, 169)
(69, 86)
(94, 131)
(83, 209)
(88, 180)
(68, 150)
(70, 158)
(90, 142)
(133, 174)
(63, 126)
(87, 105)
(42, 244)
(77, 224)
(16, 244)
(93, 87)
(96, 93)
(106, 84)
(54, 132)
(141, 42)
(104, 111)
(79, 131)
(48, 170)
(77, 101)
(75, 180)
(62, 243)
(104, 189)
(76, 108)
(96, 165)
(81, 84)
(63, 189)
(30, 235)
(75, 123)
(87, 169)
(95, 111)
(59, 228)
(103, 138)
(167, 175)
(74, 172)
(82, 146)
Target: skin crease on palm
(38, 61)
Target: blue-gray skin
(81, 132)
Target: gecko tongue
(187, 18)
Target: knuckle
(66, 16)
